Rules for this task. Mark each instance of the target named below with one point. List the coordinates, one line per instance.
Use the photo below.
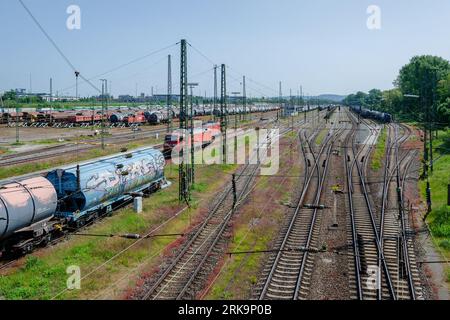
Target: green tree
(421, 77)
(392, 101)
(373, 99)
(443, 107)
(9, 95)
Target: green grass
(21, 169)
(44, 276)
(46, 141)
(439, 218)
(380, 150)
(240, 272)
(321, 136)
(4, 150)
(292, 134)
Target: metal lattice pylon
(183, 166)
(223, 113)
(169, 93)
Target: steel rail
(197, 234)
(308, 179)
(380, 252)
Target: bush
(441, 223)
(445, 244)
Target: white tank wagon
(26, 206)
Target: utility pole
(318, 110)
(169, 93)
(17, 126)
(76, 84)
(291, 104)
(304, 109)
(191, 117)
(106, 101)
(104, 84)
(236, 94)
(51, 100)
(280, 98)
(425, 131)
(432, 118)
(183, 193)
(215, 93)
(244, 98)
(1, 101)
(223, 113)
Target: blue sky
(323, 45)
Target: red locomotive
(202, 137)
(136, 118)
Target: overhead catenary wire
(139, 240)
(56, 46)
(202, 54)
(233, 70)
(254, 81)
(123, 65)
(125, 249)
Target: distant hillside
(332, 97)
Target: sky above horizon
(325, 46)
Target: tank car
(116, 117)
(157, 117)
(26, 208)
(98, 186)
(34, 210)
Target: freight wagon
(35, 210)
(202, 137)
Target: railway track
(288, 272)
(180, 277)
(378, 253)
(85, 145)
(6, 262)
(394, 226)
(365, 238)
(185, 275)
(81, 146)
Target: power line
(240, 75)
(251, 87)
(55, 45)
(128, 63)
(254, 81)
(202, 54)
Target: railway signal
(428, 196)
(234, 190)
(77, 74)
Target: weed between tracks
(256, 227)
(43, 274)
(380, 150)
(321, 136)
